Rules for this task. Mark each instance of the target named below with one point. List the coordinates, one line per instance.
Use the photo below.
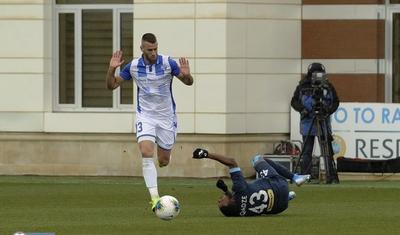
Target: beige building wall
(245, 57)
(25, 68)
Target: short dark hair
(230, 210)
(149, 37)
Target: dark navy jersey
(262, 196)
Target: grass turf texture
(119, 205)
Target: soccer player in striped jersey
(268, 194)
(156, 122)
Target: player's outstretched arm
(185, 75)
(227, 161)
(115, 61)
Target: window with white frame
(87, 33)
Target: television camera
(320, 88)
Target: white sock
(154, 192)
(150, 176)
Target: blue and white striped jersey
(154, 85)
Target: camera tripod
(324, 140)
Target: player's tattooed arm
(227, 161)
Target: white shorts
(160, 131)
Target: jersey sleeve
(125, 72)
(175, 70)
(239, 183)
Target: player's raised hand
(116, 59)
(200, 153)
(184, 65)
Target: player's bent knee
(164, 157)
(163, 162)
(147, 153)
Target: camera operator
(315, 99)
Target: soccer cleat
(300, 179)
(292, 195)
(153, 203)
(256, 159)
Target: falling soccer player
(268, 194)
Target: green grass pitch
(119, 205)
